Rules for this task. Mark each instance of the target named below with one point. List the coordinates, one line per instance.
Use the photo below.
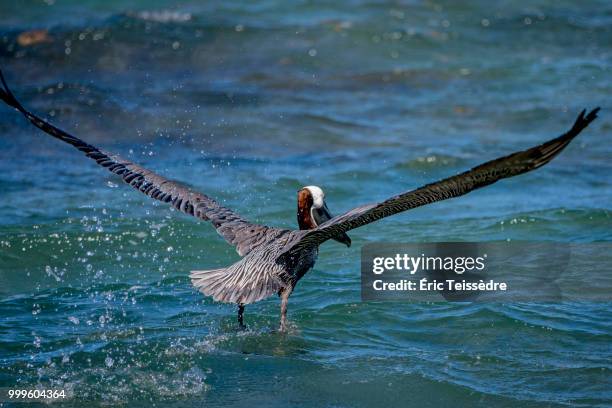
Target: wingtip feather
(583, 121)
(7, 96)
(593, 114)
(5, 92)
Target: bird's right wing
(244, 235)
(480, 176)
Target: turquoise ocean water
(249, 102)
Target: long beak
(321, 215)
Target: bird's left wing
(480, 176)
(244, 235)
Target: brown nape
(304, 204)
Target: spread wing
(480, 176)
(236, 230)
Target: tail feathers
(231, 286)
(207, 281)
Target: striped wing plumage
(244, 235)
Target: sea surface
(249, 101)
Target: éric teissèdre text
(435, 285)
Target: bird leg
(284, 295)
(240, 315)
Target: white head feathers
(318, 196)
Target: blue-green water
(247, 103)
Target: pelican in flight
(275, 259)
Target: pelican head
(312, 211)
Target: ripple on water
(247, 104)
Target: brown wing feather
(480, 176)
(236, 230)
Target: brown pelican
(275, 259)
